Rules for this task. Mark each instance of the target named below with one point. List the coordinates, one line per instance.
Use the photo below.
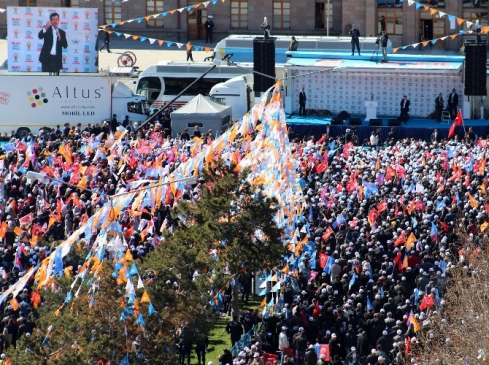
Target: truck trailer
(31, 102)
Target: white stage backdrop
(349, 91)
(24, 46)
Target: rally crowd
(368, 263)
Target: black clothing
(302, 103)
(439, 105)
(52, 63)
(453, 104)
(355, 40)
(106, 42)
(209, 24)
(405, 103)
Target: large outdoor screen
(44, 39)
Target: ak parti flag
(458, 121)
(410, 240)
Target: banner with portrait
(79, 27)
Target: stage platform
(418, 128)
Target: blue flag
(329, 265)
(125, 360)
(369, 304)
(352, 280)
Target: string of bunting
(163, 14)
(441, 14)
(269, 151)
(160, 42)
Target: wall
(337, 91)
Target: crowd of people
(369, 259)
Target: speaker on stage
(263, 63)
(355, 121)
(375, 122)
(394, 123)
(475, 69)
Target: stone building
(404, 23)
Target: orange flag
(15, 304)
(145, 298)
(473, 203)
(410, 240)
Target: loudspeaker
(355, 121)
(475, 69)
(336, 121)
(375, 122)
(343, 116)
(263, 63)
(394, 123)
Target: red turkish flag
(324, 350)
(458, 121)
(400, 240)
(382, 206)
(328, 233)
(323, 259)
(373, 215)
(427, 302)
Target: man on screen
(54, 40)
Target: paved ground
(147, 54)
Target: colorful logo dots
(37, 97)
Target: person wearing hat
(283, 343)
(300, 346)
(372, 358)
(381, 360)
(322, 360)
(311, 357)
(352, 357)
(334, 346)
(257, 360)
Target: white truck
(236, 93)
(30, 102)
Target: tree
(102, 323)
(229, 229)
(456, 332)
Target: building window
(475, 3)
(281, 14)
(432, 27)
(112, 11)
(389, 3)
(154, 7)
(391, 20)
(239, 14)
(324, 12)
(434, 3)
(475, 17)
(27, 2)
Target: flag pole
(463, 123)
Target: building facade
(403, 22)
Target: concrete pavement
(147, 54)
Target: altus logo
(37, 97)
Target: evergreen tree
(229, 229)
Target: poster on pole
(51, 39)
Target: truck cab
(237, 93)
(125, 102)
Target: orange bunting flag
(145, 298)
(415, 323)
(264, 301)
